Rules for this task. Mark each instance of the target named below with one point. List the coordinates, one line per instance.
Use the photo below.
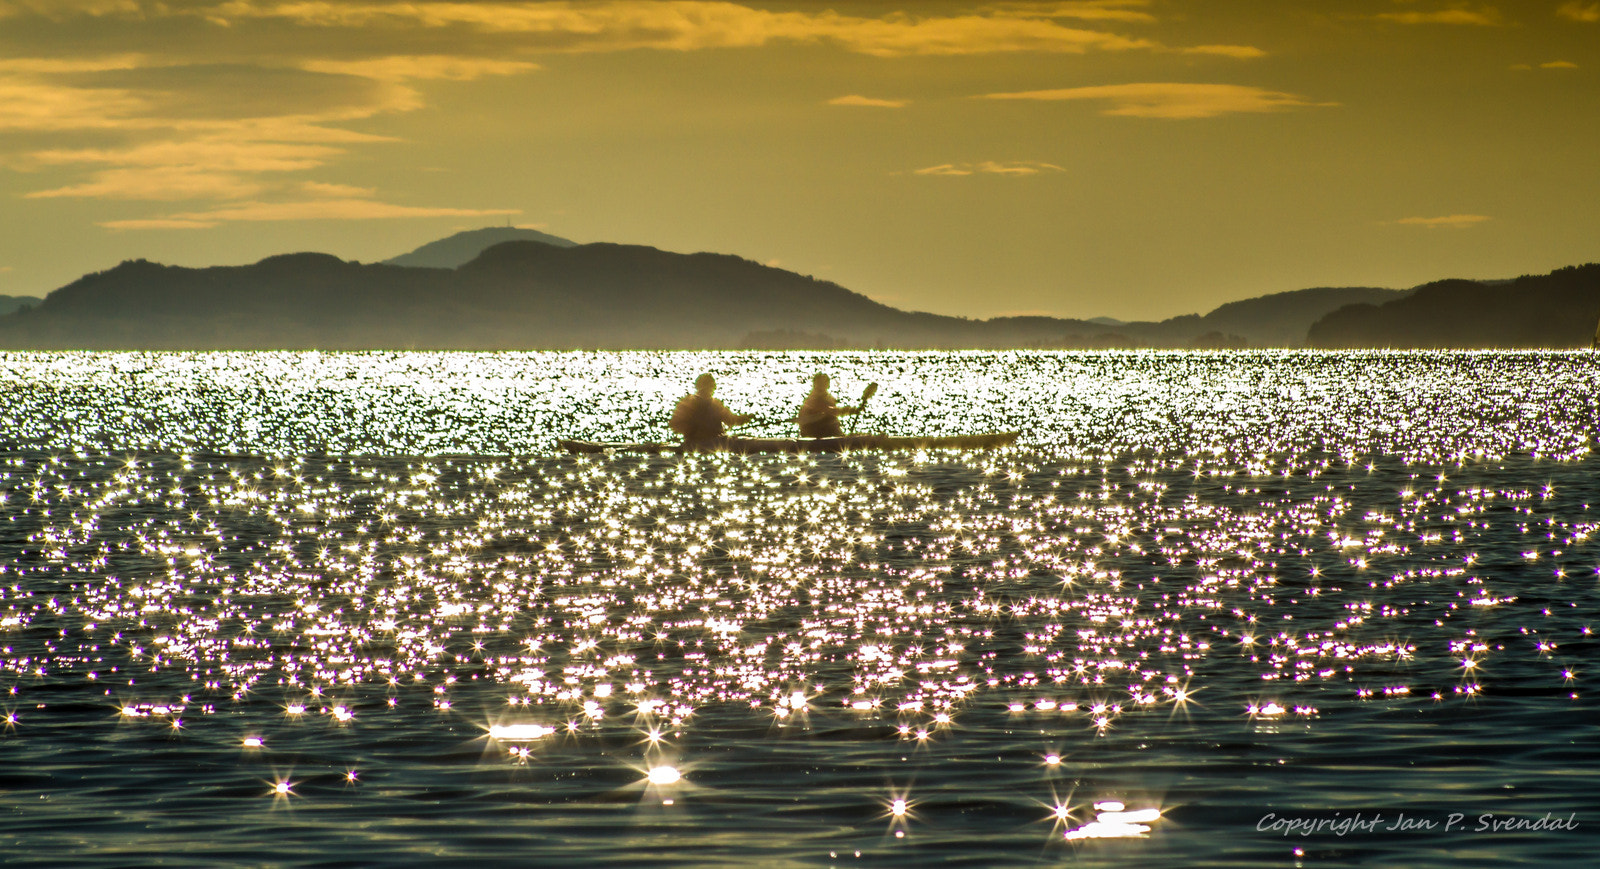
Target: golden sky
(1129, 158)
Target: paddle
(871, 390)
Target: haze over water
(300, 608)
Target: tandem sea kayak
(809, 445)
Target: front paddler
(702, 419)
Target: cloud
(215, 153)
(159, 183)
(406, 67)
(971, 34)
(57, 11)
(27, 103)
(317, 209)
(674, 25)
(232, 91)
(337, 191)
(205, 132)
(1082, 10)
(858, 100)
(990, 167)
(208, 167)
(119, 95)
(1171, 100)
(158, 223)
(1453, 221)
(688, 25)
(1586, 13)
(1485, 17)
(1558, 64)
(1242, 52)
(60, 65)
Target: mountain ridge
(1558, 309)
(527, 293)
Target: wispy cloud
(417, 67)
(1171, 100)
(58, 11)
(1484, 17)
(158, 223)
(678, 25)
(314, 209)
(30, 104)
(971, 34)
(337, 191)
(204, 166)
(1086, 10)
(990, 167)
(156, 183)
(221, 154)
(1453, 221)
(1242, 52)
(871, 102)
(688, 25)
(207, 132)
(1558, 64)
(60, 65)
(1587, 13)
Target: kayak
(809, 445)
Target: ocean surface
(1214, 609)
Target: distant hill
(464, 247)
(521, 294)
(1281, 319)
(1555, 310)
(518, 294)
(531, 293)
(11, 303)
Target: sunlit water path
(302, 608)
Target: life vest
(825, 426)
(699, 419)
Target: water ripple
(1207, 588)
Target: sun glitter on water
(360, 541)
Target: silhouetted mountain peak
(304, 260)
(130, 266)
(464, 247)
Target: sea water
(1214, 608)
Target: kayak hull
(847, 443)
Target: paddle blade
(865, 394)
